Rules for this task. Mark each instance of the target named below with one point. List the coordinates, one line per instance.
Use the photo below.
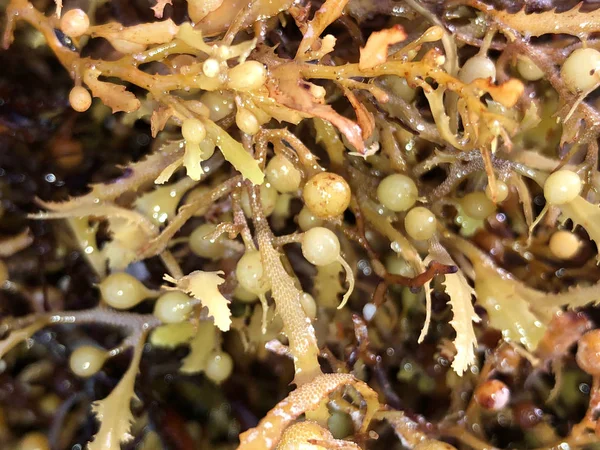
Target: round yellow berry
(420, 223)
(528, 70)
(502, 191)
(477, 205)
(247, 76)
(80, 99)
(122, 291)
(562, 187)
(320, 246)
(202, 245)
(327, 195)
(580, 70)
(398, 86)
(478, 66)
(87, 360)
(268, 200)
(564, 244)
(193, 131)
(211, 67)
(173, 307)
(307, 220)
(74, 23)
(244, 295)
(250, 273)
(283, 175)
(218, 367)
(308, 305)
(397, 192)
(247, 121)
(219, 103)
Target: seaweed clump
(393, 207)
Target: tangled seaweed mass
(296, 225)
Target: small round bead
(247, 76)
(562, 187)
(283, 175)
(211, 67)
(327, 195)
(193, 131)
(564, 244)
(527, 415)
(250, 273)
(528, 70)
(318, 92)
(507, 360)
(320, 246)
(224, 52)
(588, 352)
(173, 307)
(580, 69)
(420, 223)
(172, 335)
(308, 305)
(397, 265)
(399, 87)
(122, 291)
(244, 295)
(477, 205)
(34, 441)
(220, 104)
(160, 205)
(87, 360)
(246, 121)
(478, 66)
(340, 425)
(268, 200)
(307, 220)
(502, 191)
(397, 192)
(49, 403)
(74, 23)
(218, 367)
(492, 395)
(205, 247)
(80, 99)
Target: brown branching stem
(371, 359)
(433, 269)
(103, 316)
(160, 243)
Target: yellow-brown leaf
(375, 52)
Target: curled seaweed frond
(304, 399)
